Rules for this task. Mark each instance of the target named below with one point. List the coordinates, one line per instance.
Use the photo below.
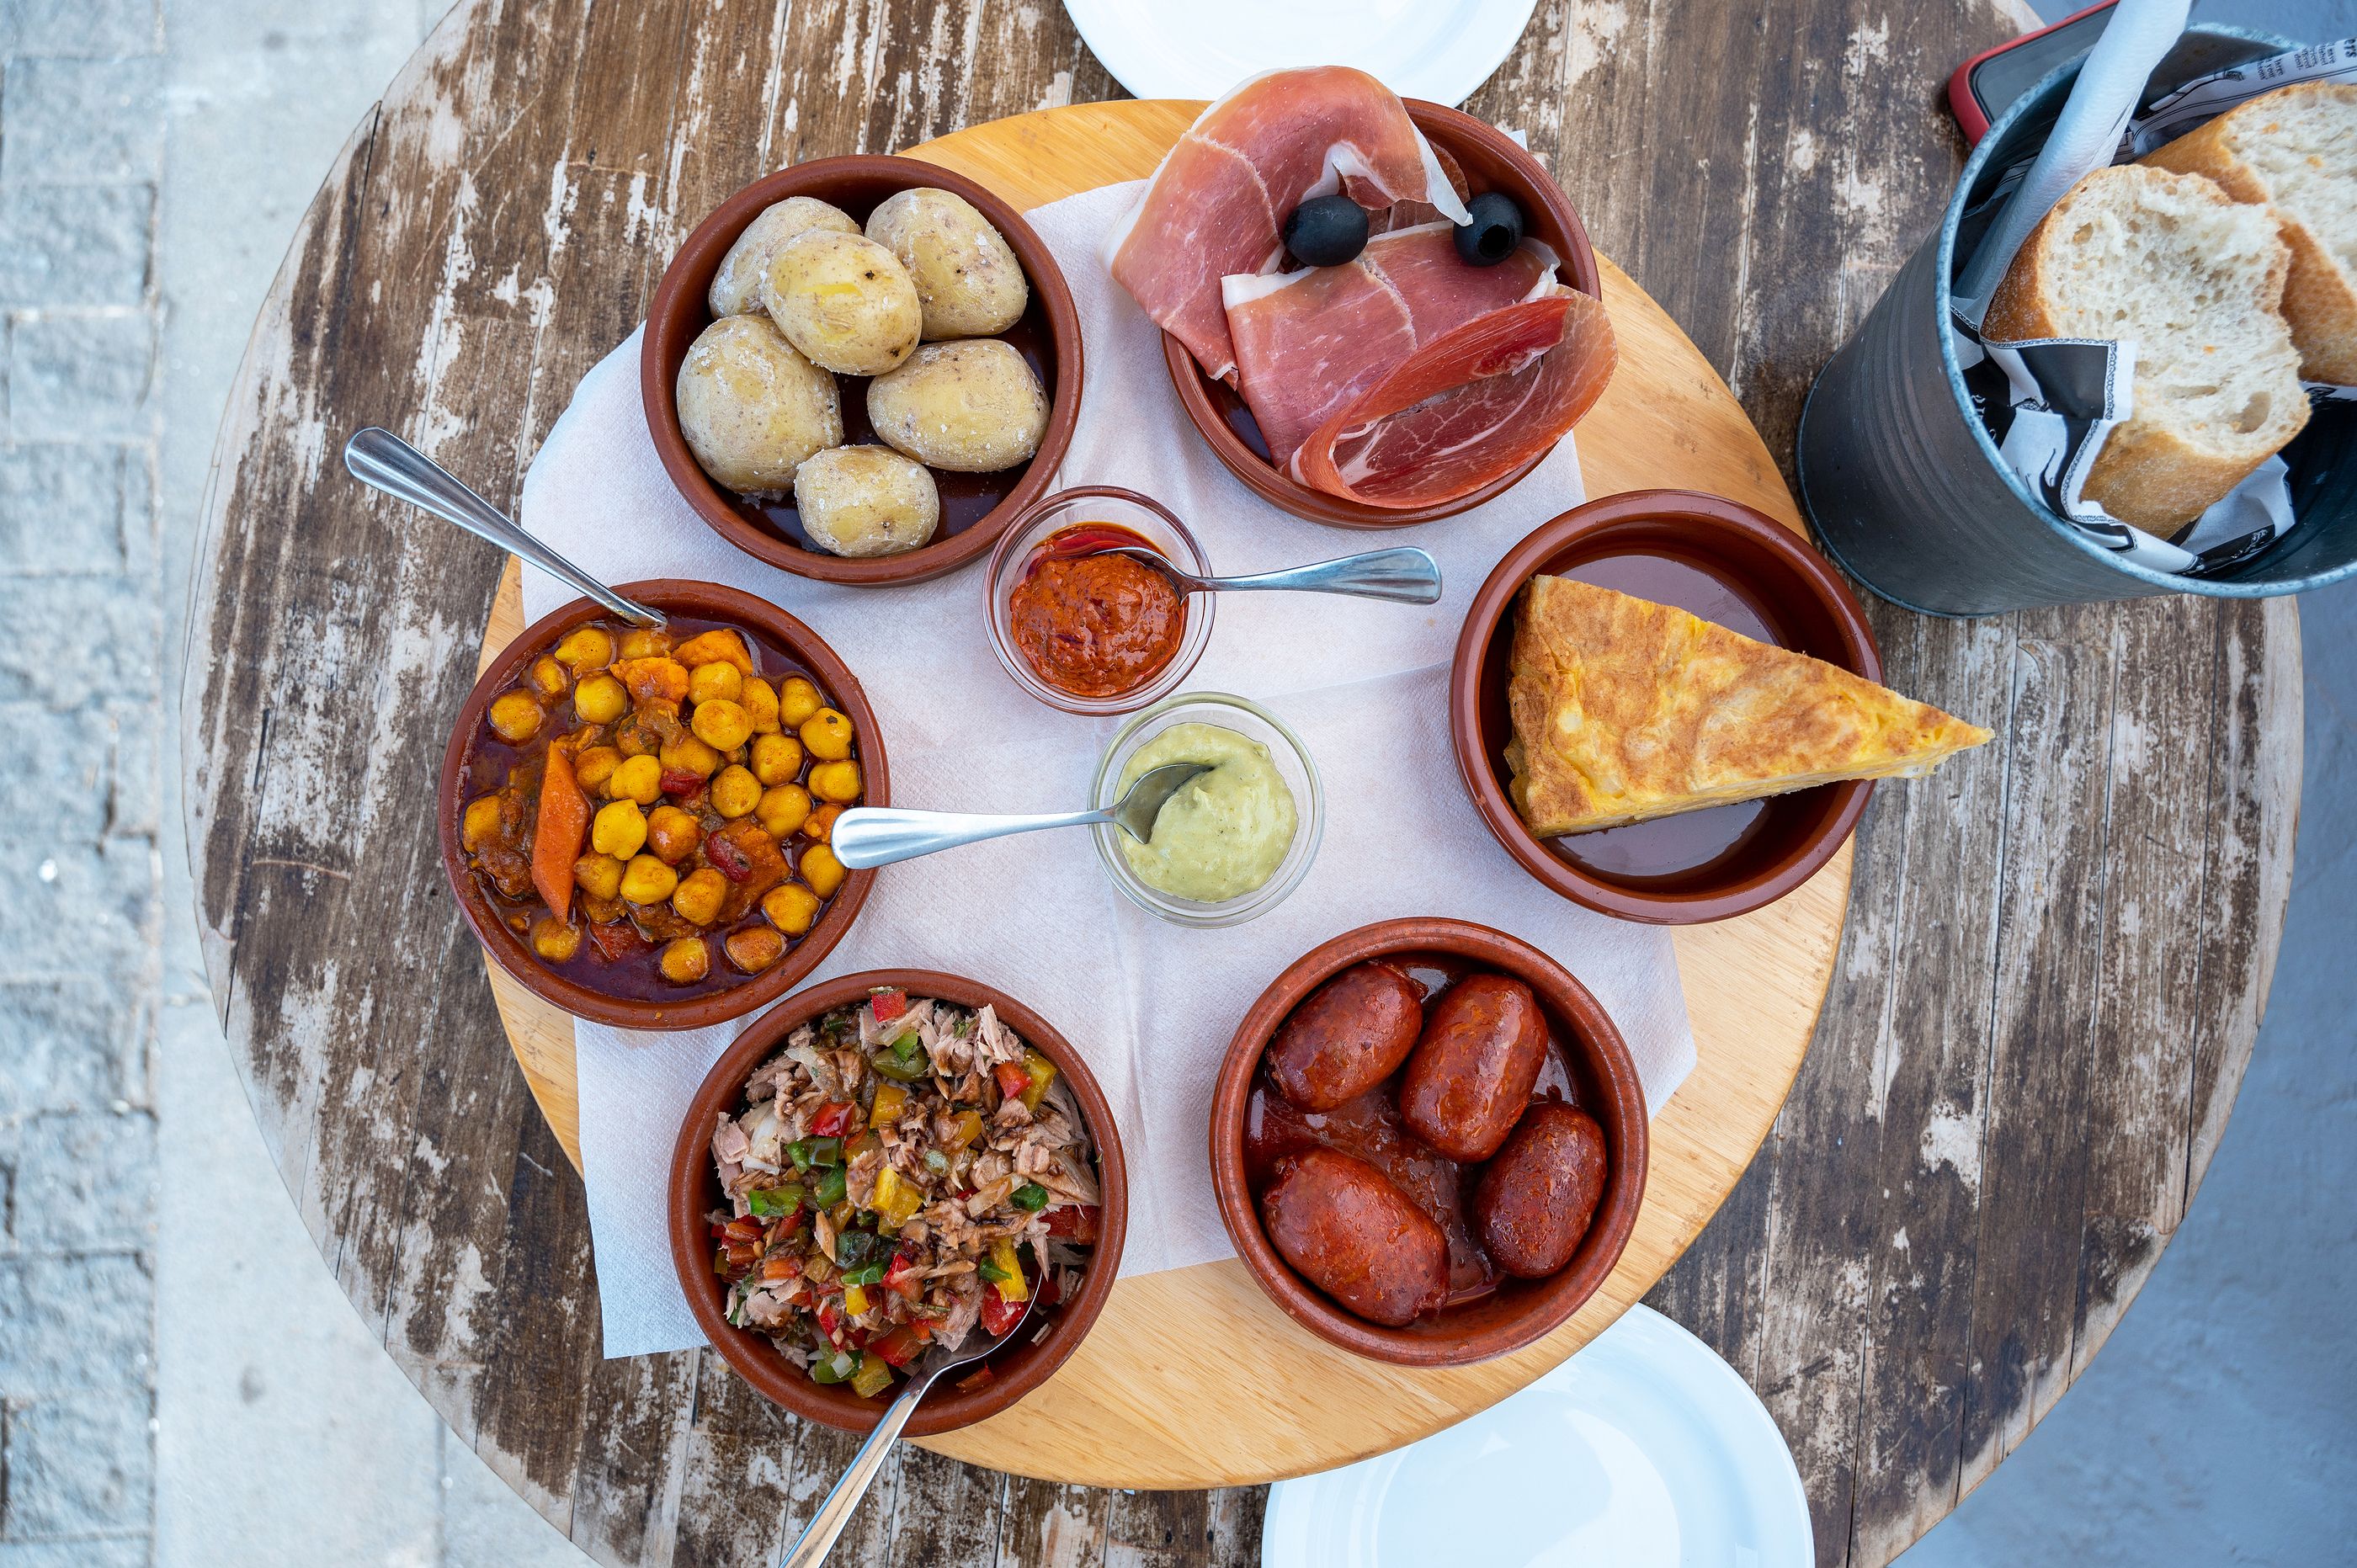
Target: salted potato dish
(649, 811)
(913, 299)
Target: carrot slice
(557, 836)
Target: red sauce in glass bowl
(1092, 624)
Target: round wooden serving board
(1192, 1378)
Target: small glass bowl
(1293, 764)
(1142, 515)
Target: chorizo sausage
(1350, 1035)
(1532, 1205)
(1355, 1236)
(1471, 1072)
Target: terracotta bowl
(1703, 865)
(695, 1193)
(707, 601)
(1491, 162)
(1521, 1312)
(975, 508)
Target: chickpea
(821, 826)
(599, 877)
(720, 644)
(595, 766)
(600, 700)
(698, 896)
(797, 700)
(714, 682)
(822, 870)
(674, 833)
(647, 880)
(783, 809)
(645, 643)
(585, 648)
(734, 792)
(555, 940)
(683, 753)
(754, 949)
(638, 778)
(759, 700)
(480, 825)
(686, 961)
(792, 908)
(836, 781)
(515, 717)
(720, 724)
(827, 735)
(776, 758)
(548, 677)
(619, 830)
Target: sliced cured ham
(1217, 205)
(1308, 343)
(1469, 408)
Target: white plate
(1438, 49)
(1643, 1451)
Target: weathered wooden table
(2056, 951)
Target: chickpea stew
(648, 809)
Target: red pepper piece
(1078, 1221)
(728, 858)
(974, 1380)
(615, 941)
(888, 1005)
(680, 781)
(998, 1313)
(899, 1347)
(901, 1276)
(1013, 1079)
(833, 1119)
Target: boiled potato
(752, 408)
(844, 300)
(736, 286)
(867, 500)
(971, 407)
(967, 278)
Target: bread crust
(2146, 474)
(2320, 299)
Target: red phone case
(1965, 104)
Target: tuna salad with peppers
(904, 1170)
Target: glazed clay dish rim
(1702, 517)
(694, 1192)
(709, 601)
(1446, 128)
(1622, 1113)
(678, 312)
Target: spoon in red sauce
(1405, 574)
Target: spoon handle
(1406, 575)
(827, 1525)
(380, 458)
(878, 835)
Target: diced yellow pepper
(896, 1202)
(968, 1128)
(890, 1101)
(875, 1375)
(1043, 1073)
(855, 1299)
(1012, 1286)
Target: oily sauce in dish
(1095, 625)
(1369, 1128)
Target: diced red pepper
(1049, 1292)
(617, 940)
(902, 1275)
(998, 1313)
(830, 1317)
(680, 781)
(974, 1380)
(1012, 1079)
(745, 1229)
(901, 1346)
(888, 1005)
(782, 1266)
(722, 853)
(833, 1119)
(1078, 1221)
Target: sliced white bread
(2294, 150)
(2196, 278)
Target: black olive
(1327, 231)
(1495, 232)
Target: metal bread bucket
(1908, 491)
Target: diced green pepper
(1031, 1195)
(833, 1367)
(769, 1202)
(808, 1152)
(900, 1069)
(829, 1188)
(854, 1247)
(908, 1048)
(866, 1275)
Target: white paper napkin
(1151, 1006)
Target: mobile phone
(1985, 84)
